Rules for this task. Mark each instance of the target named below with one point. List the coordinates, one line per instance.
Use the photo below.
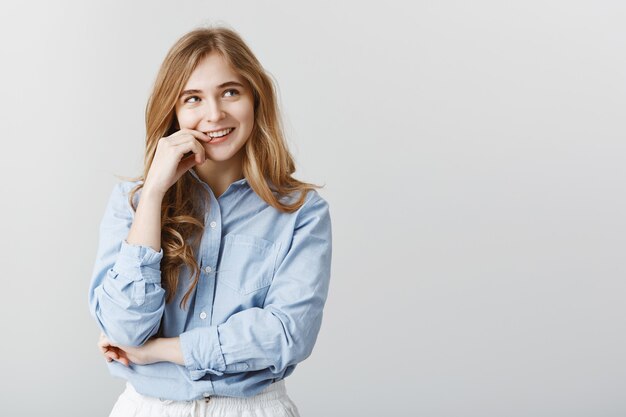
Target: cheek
(246, 115)
(186, 118)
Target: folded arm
(284, 331)
(125, 293)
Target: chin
(223, 157)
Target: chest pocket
(247, 263)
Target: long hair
(267, 163)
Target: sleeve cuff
(139, 262)
(202, 352)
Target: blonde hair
(267, 163)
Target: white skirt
(271, 402)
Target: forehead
(212, 71)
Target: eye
(187, 99)
(233, 90)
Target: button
(213, 224)
(207, 398)
(208, 269)
(203, 315)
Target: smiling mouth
(220, 133)
(220, 139)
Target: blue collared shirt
(256, 310)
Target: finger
(184, 146)
(116, 355)
(185, 139)
(198, 149)
(187, 149)
(112, 354)
(122, 360)
(103, 346)
(185, 165)
(118, 360)
(189, 160)
(108, 355)
(108, 351)
(195, 147)
(195, 133)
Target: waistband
(272, 392)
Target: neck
(220, 174)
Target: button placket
(208, 262)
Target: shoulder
(312, 200)
(314, 210)
(124, 186)
(119, 197)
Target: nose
(213, 111)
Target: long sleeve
(125, 293)
(284, 331)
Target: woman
(213, 267)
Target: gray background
(474, 160)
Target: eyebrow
(226, 84)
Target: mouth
(220, 135)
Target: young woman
(213, 267)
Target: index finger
(197, 134)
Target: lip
(206, 132)
(221, 139)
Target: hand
(170, 163)
(141, 355)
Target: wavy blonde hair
(267, 163)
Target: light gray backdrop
(474, 156)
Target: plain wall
(474, 161)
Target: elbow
(291, 355)
(127, 327)
(127, 333)
(297, 343)
(124, 321)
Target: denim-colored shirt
(256, 310)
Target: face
(216, 98)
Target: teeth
(220, 133)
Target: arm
(284, 331)
(125, 294)
(158, 349)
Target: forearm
(125, 293)
(129, 301)
(154, 350)
(167, 349)
(251, 340)
(146, 227)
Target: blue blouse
(255, 312)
